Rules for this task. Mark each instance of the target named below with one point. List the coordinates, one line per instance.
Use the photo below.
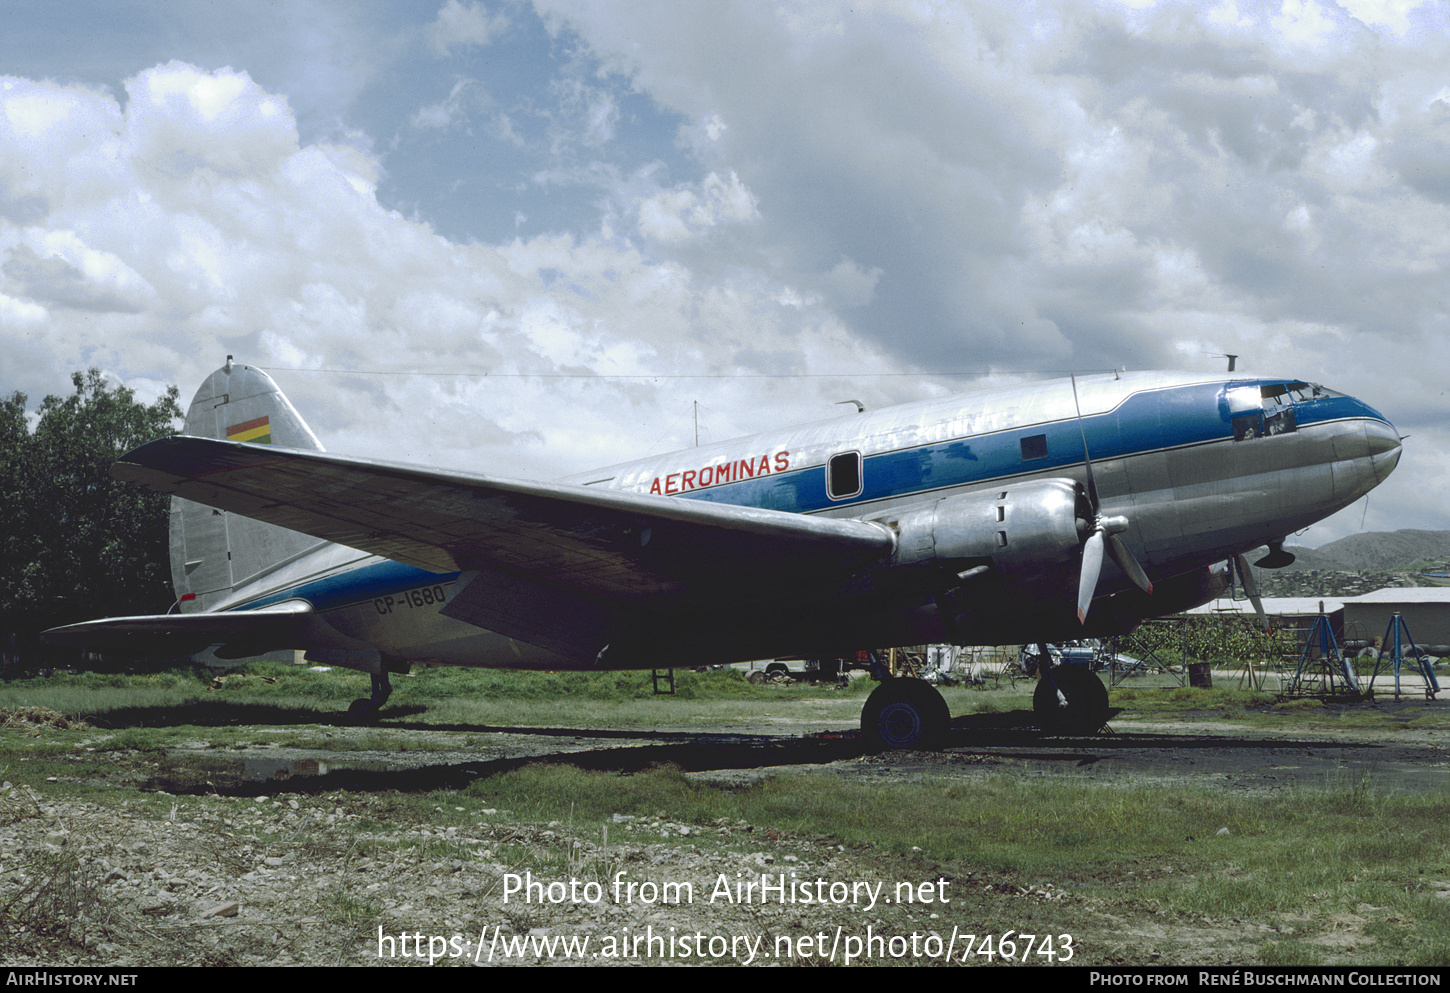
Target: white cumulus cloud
(686, 212)
(463, 25)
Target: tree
(75, 543)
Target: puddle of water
(185, 772)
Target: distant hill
(1333, 583)
(1379, 550)
(1359, 564)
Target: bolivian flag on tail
(258, 431)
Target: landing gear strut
(1070, 700)
(382, 689)
(904, 713)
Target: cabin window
(843, 476)
(1034, 447)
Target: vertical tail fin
(213, 552)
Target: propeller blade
(1087, 462)
(1092, 564)
(1105, 530)
(1128, 564)
(1251, 587)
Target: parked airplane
(976, 519)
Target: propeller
(1251, 588)
(1103, 535)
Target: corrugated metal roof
(1309, 605)
(1281, 606)
(1405, 594)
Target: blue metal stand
(1394, 644)
(1322, 658)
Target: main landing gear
(1070, 700)
(382, 689)
(904, 713)
(908, 713)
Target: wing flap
(571, 623)
(620, 546)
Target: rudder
(214, 552)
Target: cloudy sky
(528, 238)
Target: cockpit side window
(1246, 407)
(1268, 410)
(1279, 408)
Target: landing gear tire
(1070, 700)
(368, 709)
(904, 713)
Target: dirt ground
(267, 868)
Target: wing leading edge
(648, 552)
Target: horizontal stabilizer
(177, 635)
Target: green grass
(89, 693)
(1290, 860)
(989, 821)
(139, 739)
(1181, 698)
(349, 910)
(1287, 862)
(296, 707)
(1263, 709)
(448, 695)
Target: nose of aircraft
(1382, 443)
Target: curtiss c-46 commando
(1035, 513)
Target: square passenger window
(843, 476)
(1034, 447)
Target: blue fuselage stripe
(355, 585)
(1143, 423)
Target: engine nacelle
(1028, 534)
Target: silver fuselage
(1203, 468)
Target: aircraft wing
(646, 551)
(175, 635)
